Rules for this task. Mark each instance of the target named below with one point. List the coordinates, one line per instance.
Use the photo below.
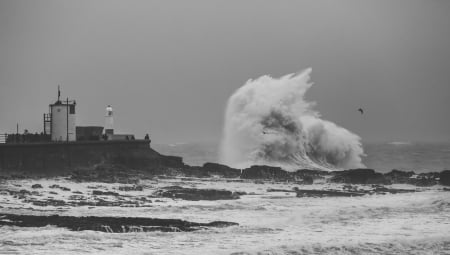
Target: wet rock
(56, 186)
(104, 193)
(109, 224)
(326, 193)
(23, 193)
(266, 173)
(444, 178)
(35, 193)
(348, 191)
(359, 176)
(378, 189)
(48, 202)
(281, 190)
(108, 173)
(36, 186)
(131, 188)
(308, 180)
(422, 181)
(221, 170)
(397, 176)
(196, 194)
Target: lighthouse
(109, 122)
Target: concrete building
(63, 120)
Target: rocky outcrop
(326, 193)
(444, 178)
(397, 176)
(131, 188)
(266, 173)
(347, 191)
(359, 176)
(214, 169)
(196, 194)
(109, 173)
(109, 224)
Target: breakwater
(57, 158)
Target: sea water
(269, 222)
(383, 157)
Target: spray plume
(268, 121)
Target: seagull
(361, 110)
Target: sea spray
(268, 121)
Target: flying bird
(361, 110)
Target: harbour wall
(60, 157)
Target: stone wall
(62, 157)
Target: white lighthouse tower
(63, 120)
(109, 122)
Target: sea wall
(63, 157)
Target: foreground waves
(268, 122)
(269, 222)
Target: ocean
(383, 157)
(270, 222)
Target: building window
(72, 109)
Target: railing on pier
(3, 138)
(24, 138)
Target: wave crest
(268, 121)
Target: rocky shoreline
(109, 224)
(117, 173)
(125, 187)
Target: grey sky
(168, 67)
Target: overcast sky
(168, 67)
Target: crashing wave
(268, 121)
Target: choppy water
(383, 157)
(270, 223)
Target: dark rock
(23, 192)
(326, 193)
(109, 224)
(378, 189)
(281, 190)
(131, 188)
(108, 173)
(308, 180)
(51, 202)
(359, 176)
(266, 173)
(196, 194)
(56, 186)
(104, 193)
(397, 176)
(444, 178)
(36, 186)
(349, 191)
(314, 174)
(221, 170)
(423, 181)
